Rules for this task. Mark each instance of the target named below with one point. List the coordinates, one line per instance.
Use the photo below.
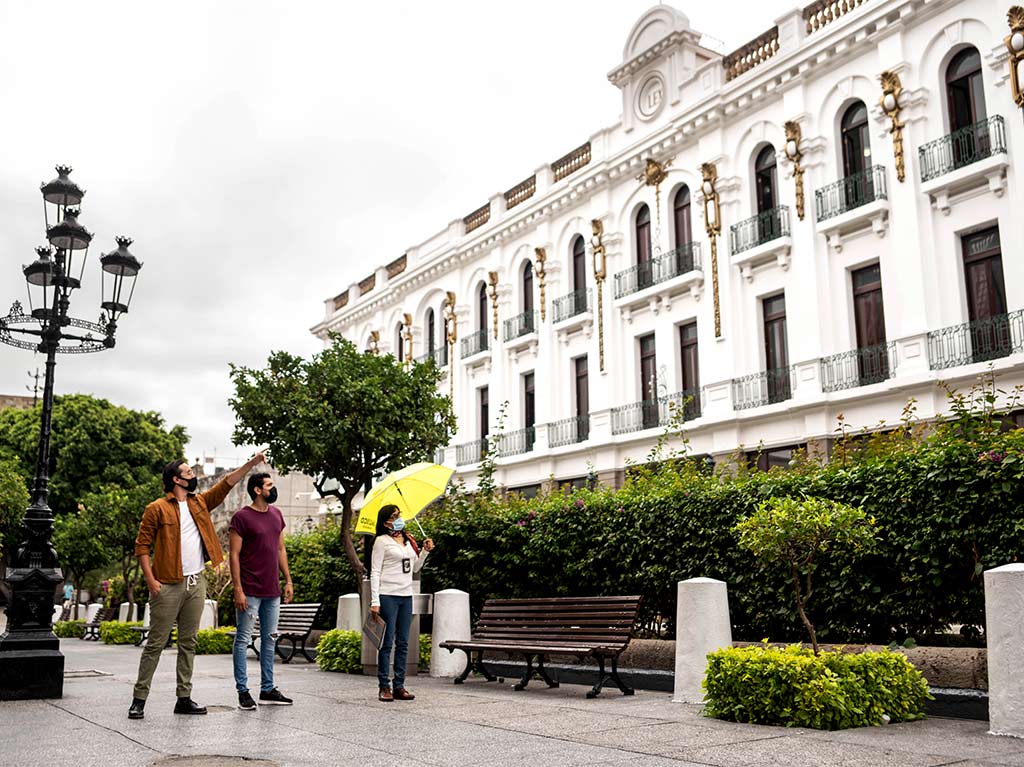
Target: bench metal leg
(527, 675)
(543, 672)
(539, 670)
(305, 652)
(477, 665)
(612, 677)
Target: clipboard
(374, 629)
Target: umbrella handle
(422, 531)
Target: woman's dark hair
(385, 513)
(170, 472)
(256, 481)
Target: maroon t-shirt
(261, 534)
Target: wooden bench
(598, 627)
(91, 632)
(142, 634)
(294, 624)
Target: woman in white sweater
(395, 557)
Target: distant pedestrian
(256, 553)
(394, 559)
(69, 594)
(176, 537)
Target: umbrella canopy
(411, 489)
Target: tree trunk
(346, 535)
(129, 589)
(800, 609)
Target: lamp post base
(31, 668)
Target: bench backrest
(104, 614)
(570, 621)
(295, 618)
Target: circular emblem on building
(650, 97)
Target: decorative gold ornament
(542, 257)
(1015, 45)
(713, 226)
(407, 337)
(600, 272)
(374, 342)
(492, 278)
(794, 154)
(451, 334)
(654, 174)
(890, 102)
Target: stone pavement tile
(665, 738)
(48, 745)
(569, 723)
(799, 751)
(520, 750)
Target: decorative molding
(792, 152)
(451, 334)
(541, 272)
(407, 337)
(713, 227)
(892, 91)
(600, 273)
(1015, 48)
(492, 281)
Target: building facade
(818, 223)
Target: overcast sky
(264, 155)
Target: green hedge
(340, 650)
(215, 641)
(69, 629)
(794, 687)
(319, 568)
(116, 632)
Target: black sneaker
(245, 701)
(137, 709)
(274, 698)
(188, 706)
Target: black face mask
(192, 484)
(272, 495)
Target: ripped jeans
(267, 609)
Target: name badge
(406, 565)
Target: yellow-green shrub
(69, 629)
(340, 650)
(116, 632)
(214, 641)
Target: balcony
(677, 268)
(572, 305)
(521, 325)
(649, 413)
(438, 355)
(569, 431)
(968, 159)
(761, 239)
(859, 367)
(470, 452)
(516, 442)
(851, 204)
(475, 343)
(977, 341)
(765, 388)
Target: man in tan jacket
(176, 538)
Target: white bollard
(57, 610)
(90, 613)
(1004, 596)
(208, 620)
(349, 613)
(702, 626)
(145, 615)
(122, 612)
(451, 621)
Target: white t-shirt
(391, 569)
(191, 543)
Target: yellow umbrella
(411, 489)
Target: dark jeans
(397, 615)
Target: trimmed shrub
(424, 661)
(793, 687)
(214, 641)
(69, 629)
(340, 650)
(116, 632)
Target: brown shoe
(385, 695)
(403, 694)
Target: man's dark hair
(256, 482)
(170, 472)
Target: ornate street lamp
(31, 665)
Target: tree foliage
(14, 500)
(343, 416)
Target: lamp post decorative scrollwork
(541, 272)
(451, 335)
(407, 337)
(31, 665)
(794, 154)
(1015, 45)
(892, 89)
(600, 272)
(713, 226)
(492, 281)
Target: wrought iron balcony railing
(439, 355)
(650, 413)
(858, 367)
(764, 388)
(849, 193)
(521, 325)
(470, 452)
(963, 147)
(475, 343)
(572, 304)
(757, 230)
(683, 259)
(516, 442)
(976, 341)
(569, 431)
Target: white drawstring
(192, 581)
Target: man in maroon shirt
(256, 553)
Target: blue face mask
(398, 525)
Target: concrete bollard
(1004, 598)
(349, 613)
(122, 612)
(208, 620)
(90, 613)
(57, 610)
(702, 626)
(451, 621)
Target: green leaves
(340, 650)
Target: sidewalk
(336, 720)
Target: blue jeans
(267, 608)
(397, 615)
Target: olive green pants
(176, 603)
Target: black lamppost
(31, 665)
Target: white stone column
(349, 614)
(1004, 604)
(451, 621)
(702, 626)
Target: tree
(797, 533)
(79, 545)
(342, 417)
(14, 500)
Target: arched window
(681, 216)
(855, 139)
(579, 264)
(764, 180)
(964, 90)
(527, 287)
(431, 331)
(481, 304)
(643, 235)
(400, 342)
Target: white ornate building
(821, 222)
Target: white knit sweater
(387, 574)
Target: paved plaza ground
(336, 720)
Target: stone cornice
(623, 72)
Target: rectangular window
(483, 401)
(776, 457)
(581, 379)
(776, 348)
(869, 319)
(529, 401)
(648, 381)
(690, 369)
(986, 295)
